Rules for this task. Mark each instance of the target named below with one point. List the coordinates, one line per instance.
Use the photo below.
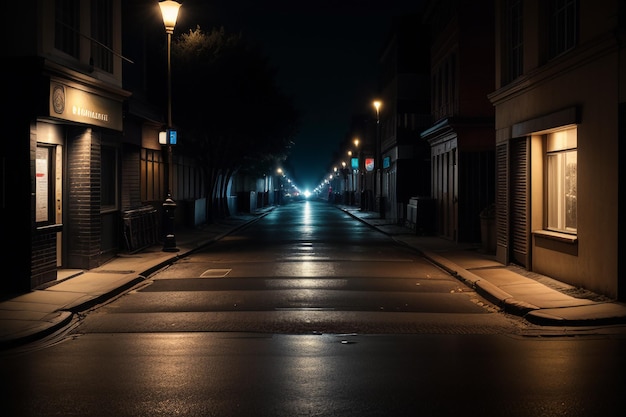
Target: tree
(229, 109)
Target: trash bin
(425, 216)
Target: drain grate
(215, 273)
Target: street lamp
(381, 198)
(169, 10)
(277, 187)
(360, 177)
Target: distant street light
(169, 10)
(381, 201)
(360, 176)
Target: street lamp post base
(169, 241)
(169, 244)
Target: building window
(514, 39)
(108, 179)
(561, 154)
(152, 175)
(101, 27)
(44, 186)
(67, 27)
(563, 29)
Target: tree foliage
(227, 104)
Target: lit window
(561, 181)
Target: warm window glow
(562, 167)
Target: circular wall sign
(58, 99)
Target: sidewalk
(539, 299)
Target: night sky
(326, 53)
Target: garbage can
(425, 216)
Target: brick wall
(84, 226)
(43, 259)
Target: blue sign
(172, 136)
(354, 162)
(386, 162)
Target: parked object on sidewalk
(141, 228)
(421, 215)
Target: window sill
(556, 241)
(50, 228)
(561, 237)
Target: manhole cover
(215, 273)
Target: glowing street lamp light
(379, 151)
(169, 10)
(377, 105)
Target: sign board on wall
(69, 103)
(354, 163)
(369, 164)
(42, 177)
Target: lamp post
(169, 10)
(277, 187)
(360, 176)
(381, 198)
(344, 184)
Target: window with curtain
(562, 172)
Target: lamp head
(169, 9)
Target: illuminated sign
(69, 103)
(386, 162)
(172, 136)
(168, 137)
(354, 162)
(369, 164)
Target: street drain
(215, 273)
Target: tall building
(461, 135)
(59, 174)
(83, 176)
(402, 165)
(560, 102)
